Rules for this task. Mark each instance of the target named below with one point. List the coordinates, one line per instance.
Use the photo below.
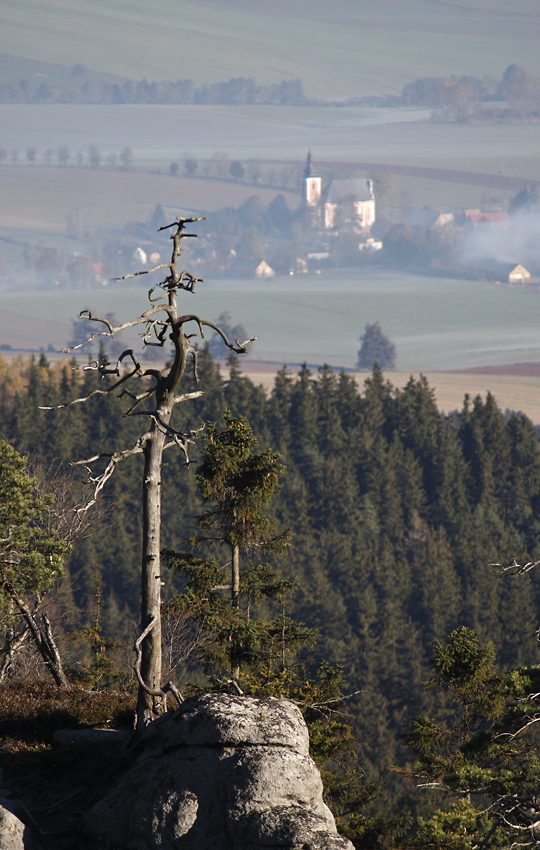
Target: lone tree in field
(375, 348)
(153, 393)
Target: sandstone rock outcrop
(221, 773)
(14, 833)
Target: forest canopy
(396, 513)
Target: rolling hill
(338, 50)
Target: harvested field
(39, 199)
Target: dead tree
(153, 393)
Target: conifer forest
(397, 515)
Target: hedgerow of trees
(85, 87)
(465, 98)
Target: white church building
(321, 205)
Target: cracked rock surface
(221, 773)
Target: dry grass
(33, 711)
(58, 785)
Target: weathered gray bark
(150, 702)
(235, 597)
(43, 638)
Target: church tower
(311, 186)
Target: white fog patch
(517, 243)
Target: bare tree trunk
(44, 640)
(12, 646)
(151, 700)
(149, 705)
(235, 599)
(235, 577)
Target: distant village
(337, 222)
(337, 225)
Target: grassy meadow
(439, 327)
(338, 49)
(436, 323)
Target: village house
(263, 270)
(478, 218)
(501, 272)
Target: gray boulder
(220, 773)
(14, 833)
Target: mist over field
(339, 49)
(519, 240)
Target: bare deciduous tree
(61, 499)
(153, 393)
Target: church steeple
(311, 185)
(308, 170)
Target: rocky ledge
(220, 773)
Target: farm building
(264, 270)
(502, 272)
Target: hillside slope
(338, 50)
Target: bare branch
(515, 569)
(239, 348)
(99, 481)
(169, 686)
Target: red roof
(478, 217)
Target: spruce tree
(235, 485)
(483, 764)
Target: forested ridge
(396, 513)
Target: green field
(435, 323)
(338, 49)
